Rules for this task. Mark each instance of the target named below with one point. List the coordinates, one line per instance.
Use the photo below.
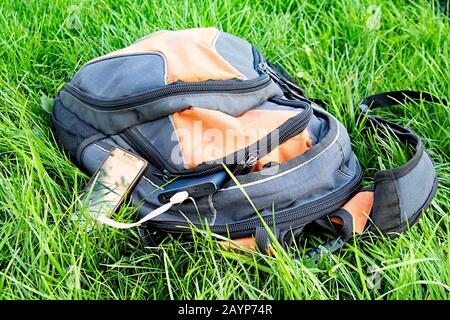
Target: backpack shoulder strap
(399, 194)
(402, 193)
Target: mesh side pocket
(70, 130)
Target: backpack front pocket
(197, 141)
(167, 72)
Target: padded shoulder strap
(399, 194)
(402, 193)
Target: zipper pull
(288, 85)
(265, 68)
(166, 176)
(249, 161)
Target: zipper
(317, 208)
(288, 86)
(171, 89)
(244, 160)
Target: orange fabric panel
(286, 151)
(207, 135)
(248, 243)
(190, 55)
(359, 207)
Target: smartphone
(196, 187)
(111, 182)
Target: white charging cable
(177, 198)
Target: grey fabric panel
(115, 121)
(86, 142)
(268, 105)
(118, 141)
(92, 157)
(161, 134)
(317, 128)
(120, 77)
(299, 187)
(413, 188)
(237, 52)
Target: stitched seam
(344, 174)
(213, 45)
(131, 54)
(342, 162)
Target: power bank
(196, 187)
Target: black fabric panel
(263, 240)
(386, 214)
(149, 238)
(346, 230)
(343, 232)
(86, 142)
(322, 224)
(70, 131)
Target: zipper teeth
(317, 206)
(290, 87)
(171, 89)
(137, 141)
(142, 148)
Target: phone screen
(108, 186)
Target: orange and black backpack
(204, 105)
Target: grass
(339, 51)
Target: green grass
(338, 50)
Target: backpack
(201, 102)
